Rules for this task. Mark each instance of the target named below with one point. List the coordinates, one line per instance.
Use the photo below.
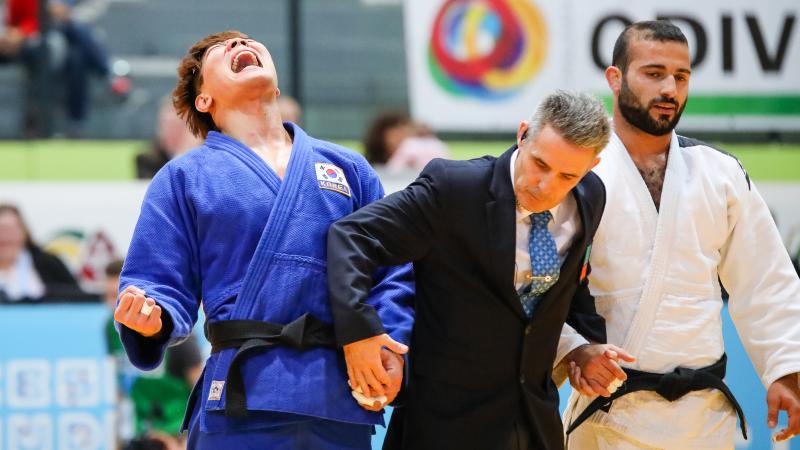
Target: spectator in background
(160, 402)
(417, 150)
(20, 43)
(399, 143)
(173, 137)
(74, 54)
(290, 109)
(20, 35)
(28, 273)
(384, 136)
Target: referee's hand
(129, 312)
(365, 368)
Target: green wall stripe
(726, 105)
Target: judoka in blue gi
(240, 224)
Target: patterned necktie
(545, 263)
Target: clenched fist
(129, 312)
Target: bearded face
(648, 117)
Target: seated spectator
(384, 136)
(417, 149)
(173, 137)
(21, 43)
(20, 35)
(74, 54)
(28, 273)
(399, 143)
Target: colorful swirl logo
(486, 48)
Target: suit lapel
(500, 218)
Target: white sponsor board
(482, 65)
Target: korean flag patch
(332, 178)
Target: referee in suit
(500, 248)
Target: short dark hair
(375, 150)
(190, 80)
(651, 30)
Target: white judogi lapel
(661, 239)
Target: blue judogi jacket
(218, 226)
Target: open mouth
(244, 59)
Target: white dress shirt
(564, 226)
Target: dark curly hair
(375, 150)
(190, 79)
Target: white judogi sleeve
(764, 289)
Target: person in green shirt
(160, 402)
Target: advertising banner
(482, 65)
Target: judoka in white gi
(680, 218)
(240, 223)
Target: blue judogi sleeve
(164, 246)
(392, 293)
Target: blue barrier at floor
(57, 384)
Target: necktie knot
(541, 219)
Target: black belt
(671, 386)
(247, 335)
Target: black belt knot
(671, 386)
(304, 332)
(248, 335)
(676, 384)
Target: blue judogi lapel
(282, 282)
(286, 198)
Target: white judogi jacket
(655, 280)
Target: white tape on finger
(368, 401)
(358, 389)
(614, 385)
(146, 309)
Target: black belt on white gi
(249, 335)
(671, 386)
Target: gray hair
(579, 118)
